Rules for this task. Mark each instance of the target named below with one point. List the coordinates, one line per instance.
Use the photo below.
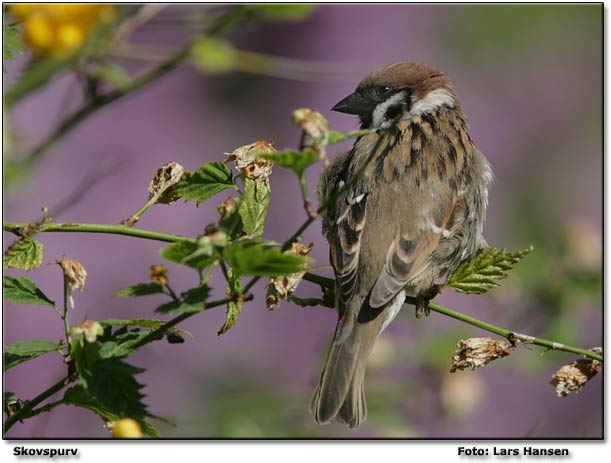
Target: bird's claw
(422, 301)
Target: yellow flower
(60, 28)
(126, 428)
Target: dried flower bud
(477, 352)
(226, 207)
(159, 274)
(165, 178)
(125, 428)
(249, 162)
(574, 376)
(312, 122)
(90, 329)
(74, 273)
(282, 287)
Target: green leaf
(282, 12)
(196, 255)
(151, 324)
(24, 254)
(122, 345)
(205, 182)
(482, 272)
(11, 43)
(234, 306)
(214, 55)
(21, 290)
(78, 397)
(190, 301)
(297, 161)
(141, 289)
(253, 257)
(253, 206)
(22, 351)
(111, 382)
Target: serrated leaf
(24, 254)
(21, 290)
(22, 351)
(297, 161)
(234, 306)
(483, 272)
(141, 289)
(190, 301)
(253, 205)
(252, 257)
(11, 42)
(195, 255)
(78, 397)
(111, 382)
(210, 179)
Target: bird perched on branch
(411, 208)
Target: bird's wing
(410, 254)
(345, 239)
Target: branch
(21, 228)
(99, 102)
(30, 404)
(73, 120)
(510, 335)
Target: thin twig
(21, 228)
(31, 404)
(86, 184)
(72, 121)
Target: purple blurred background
(530, 80)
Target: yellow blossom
(60, 28)
(126, 428)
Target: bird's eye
(384, 88)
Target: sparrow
(411, 208)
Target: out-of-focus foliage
(11, 43)
(488, 29)
(57, 29)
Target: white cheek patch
(431, 102)
(378, 120)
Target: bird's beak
(354, 104)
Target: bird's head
(398, 91)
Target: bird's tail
(340, 392)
